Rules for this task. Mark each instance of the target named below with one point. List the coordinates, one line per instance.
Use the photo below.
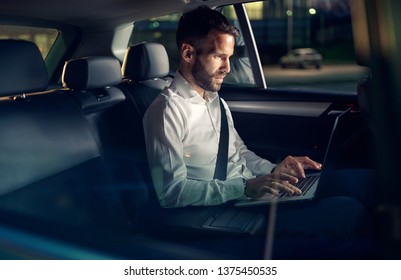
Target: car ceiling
(97, 14)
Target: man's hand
(296, 166)
(271, 183)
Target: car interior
(74, 177)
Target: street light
(312, 11)
(290, 21)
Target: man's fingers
(290, 189)
(286, 177)
(270, 190)
(284, 185)
(308, 163)
(273, 184)
(298, 168)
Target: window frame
(250, 43)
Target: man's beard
(204, 79)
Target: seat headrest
(22, 69)
(92, 72)
(145, 61)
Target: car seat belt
(220, 171)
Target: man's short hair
(196, 24)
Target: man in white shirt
(182, 127)
(182, 131)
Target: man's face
(212, 60)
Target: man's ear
(187, 53)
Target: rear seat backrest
(145, 72)
(92, 82)
(51, 167)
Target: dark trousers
(336, 225)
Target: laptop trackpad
(233, 220)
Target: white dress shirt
(182, 132)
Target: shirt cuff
(237, 186)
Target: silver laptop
(308, 185)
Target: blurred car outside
(302, 58)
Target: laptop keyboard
(304, 184)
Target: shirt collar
(187, 92)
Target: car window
(44, 38)
(306, 44)
(162, 30)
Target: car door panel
(277, 123)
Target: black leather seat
(92, 82)
(145, 72)
(51, 166)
